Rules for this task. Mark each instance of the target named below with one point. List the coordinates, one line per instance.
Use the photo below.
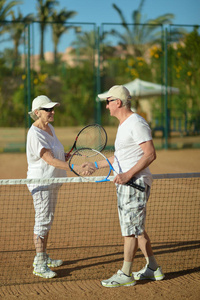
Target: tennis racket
(91, 136)
(88, 155)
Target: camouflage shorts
(132, 208)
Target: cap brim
(103, 96)
(50, 105)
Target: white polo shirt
(37, 139)
(131, 133)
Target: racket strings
(92, 137)
(82, 162)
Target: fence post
(166, 91)
(29, 77)
(98, 83)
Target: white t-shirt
(131, 133)
(37, 139)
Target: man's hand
(88, 168)
(122, 178)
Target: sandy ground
(176, 286)
(14, 165)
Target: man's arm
(148, 157)
(89, 167)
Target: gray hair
(33, 115)
(126, 103)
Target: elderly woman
(46, 159)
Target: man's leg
(144, 244)
(130, 248)
(151, 270)
(124, 276)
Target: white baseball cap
(117, 91)
(41, 102)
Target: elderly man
(134, 152)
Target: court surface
(177, 285)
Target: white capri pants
(44, 200)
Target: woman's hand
(88, 168)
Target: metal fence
(87, 60)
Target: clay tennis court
(84, 267)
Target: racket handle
(67, 156)
(136, 186)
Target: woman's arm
(47, 156)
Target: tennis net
(86, 233)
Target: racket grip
(67, 156)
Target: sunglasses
(108, 101)
(47, 109)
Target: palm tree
(59, 27)
(16, 30)
(140, 33)
(87, 42)
(5, 10)
(45, 10)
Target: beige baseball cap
(117, 91)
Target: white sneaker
(53, 263)
(119, 279)
(147, 273)
(43, 270)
